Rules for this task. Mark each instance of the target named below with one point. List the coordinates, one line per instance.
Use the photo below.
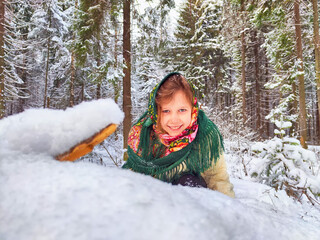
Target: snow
(284, 161)
(56, 131)
(283, 124)
(41, 198)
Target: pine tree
(150, 44)
(115, 74)
(283, 46)
(236, 34)
(96, 33)
(48, 35)
(23, 13)
(279, 45)
(13, 48)
(198, 53)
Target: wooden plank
(87, 145)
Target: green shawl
(196, 157)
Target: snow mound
(46, 199)
(41, 198)
(56, 131)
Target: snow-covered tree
(197, 51)
(284, 164)
(150, 41)
(50, 66)
(236, 30)
(13, 55)
(283, 39)
(96, 48)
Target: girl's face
(175, 114)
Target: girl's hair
(166, 91)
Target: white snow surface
(41, 198)
(56, 131)
(283, 124)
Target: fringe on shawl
(197, 157)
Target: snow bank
(41, 198)
(45, 199)
(56, 131)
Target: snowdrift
(41, 198)
(54, 132)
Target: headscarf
(172, 143)
(156, 153)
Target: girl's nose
(175, 118)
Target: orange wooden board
(87, 145)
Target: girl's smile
(176, 114)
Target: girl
(175, 142)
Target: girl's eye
(183, 110)
(165, 111)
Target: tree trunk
(318, 123)
(294, 110)
(73, 67)
(243, 70)
(257, 78)
(47, 65)
(98, 90)
(82, 92)
(72, 80)
(127, 72)
(302, 98)
(98, 59)
(317, 56)
(24, 77)
(115, 83)
(267, 103)
(2, 97)
(46, 77)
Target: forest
(71, 68)
(255, 64)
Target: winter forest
(256, 69)
(255, 64)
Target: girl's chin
(174, 133)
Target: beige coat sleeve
(217, 178)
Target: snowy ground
(41, 198)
